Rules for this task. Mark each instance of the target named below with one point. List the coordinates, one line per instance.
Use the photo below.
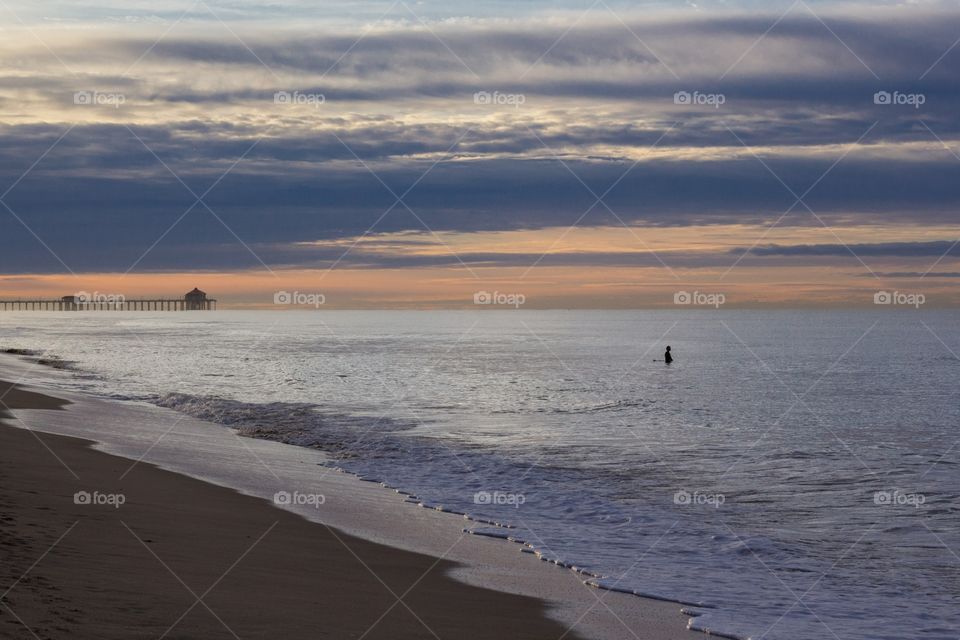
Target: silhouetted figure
(667, 357)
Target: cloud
(917, 274)
(892, 249)
(399, 115)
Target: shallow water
(796, 471)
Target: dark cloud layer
(889, 43)
(895, 249)
(398, 103)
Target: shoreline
(133, 566)
(530, 608)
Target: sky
(597, 154)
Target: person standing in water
(666, 356)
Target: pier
(195, 300)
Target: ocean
(792, 474)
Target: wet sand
(183, 559)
